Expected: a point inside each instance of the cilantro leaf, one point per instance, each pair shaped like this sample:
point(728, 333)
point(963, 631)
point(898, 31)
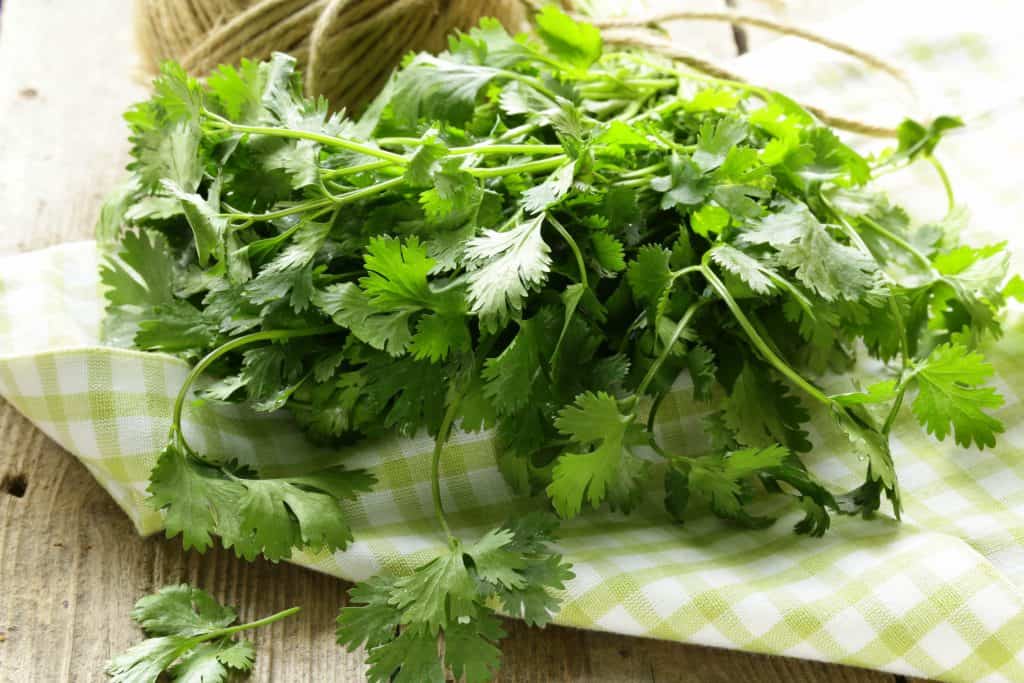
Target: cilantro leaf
point(438, 89)
point(832, 159)
point(397, 273)
point(207, 226)
point(880, 392)
point(827, 267)
point(449, 595)
point(759, 409)
point(576, 43)
point(181, 610)
point(510, 376)
point(547, 194)
point(505, 265)
point(137, 278)
point(951, 397)
point(350, 307)
point(608, 470)
point(709, 220)
point(253, 516)
point(649, 274)
point(716, 140)
point(916, 140)
point(685, 185)
point(438, 335)
point(753, 273)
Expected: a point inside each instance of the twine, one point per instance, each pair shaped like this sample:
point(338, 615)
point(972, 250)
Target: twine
point(734, 17)
point(347, 48)
point(672, 50)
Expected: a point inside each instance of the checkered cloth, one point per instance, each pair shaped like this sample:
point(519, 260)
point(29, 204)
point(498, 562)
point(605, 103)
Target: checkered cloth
point(938, 595)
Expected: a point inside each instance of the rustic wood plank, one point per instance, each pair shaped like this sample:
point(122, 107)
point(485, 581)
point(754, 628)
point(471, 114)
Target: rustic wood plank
point(70, 564)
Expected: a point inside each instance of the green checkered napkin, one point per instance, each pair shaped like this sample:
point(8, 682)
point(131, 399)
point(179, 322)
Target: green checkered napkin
point(938, 595)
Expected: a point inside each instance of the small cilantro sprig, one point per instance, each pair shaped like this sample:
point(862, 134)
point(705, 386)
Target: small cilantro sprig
point(400, 619)
point(538, 236)
point(190, 638)
point(252, 514)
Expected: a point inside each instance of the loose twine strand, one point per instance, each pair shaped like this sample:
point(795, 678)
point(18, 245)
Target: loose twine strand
point(348, 48)
point(668, 48)
point(734, 17)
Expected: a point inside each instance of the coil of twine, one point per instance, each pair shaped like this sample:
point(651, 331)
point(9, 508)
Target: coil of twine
point(347, 48)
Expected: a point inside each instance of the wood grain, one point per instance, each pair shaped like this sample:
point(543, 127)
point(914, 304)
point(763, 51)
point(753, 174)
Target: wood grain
point(70, 563)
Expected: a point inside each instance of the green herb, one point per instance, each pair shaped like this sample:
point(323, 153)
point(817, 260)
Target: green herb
point(539, 237)
point(189, 639)
point(398, 619)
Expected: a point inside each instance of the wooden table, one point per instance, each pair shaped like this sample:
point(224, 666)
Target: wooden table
point(71, 565)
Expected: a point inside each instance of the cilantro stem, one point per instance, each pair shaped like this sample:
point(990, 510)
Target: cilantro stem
point(399, 142)
point(368, 191)
point(645, 171)
point(512, 133)
point(633, 182)
point(894, 307)
point(326, 140)
point(847, 229)
point(614, 87)
point(685, 271)
point(630, 108)
point(327, 202)
point(890, 419)
point(655, 406)
point(358, 168)
point(231, 630)
point(570, 305)
point(435, 465)
point(557, 225)
point(531, 81)
point(681, 326)
point(227, 347)
point(529, 167)
point(698, 76)
point(887, 167)
point(941, 170)
point(280, 213)
point(760, 343)
point(506, 149)
point(879, 229)
point(483, 148)
point(899, 241)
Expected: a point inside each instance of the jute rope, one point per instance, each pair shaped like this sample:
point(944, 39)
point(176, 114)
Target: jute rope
point(734, 17)
point(673, 50)
point(347, 48)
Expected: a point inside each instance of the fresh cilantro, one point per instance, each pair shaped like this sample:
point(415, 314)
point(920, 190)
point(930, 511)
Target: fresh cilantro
point(951, 396)
point(539, 236)
point(831, 269)
point(190, 639)
point(916, 139)
point(505, 266)
point(579, 44)
point(253, 515)
point(606, 469)
point(400, 619)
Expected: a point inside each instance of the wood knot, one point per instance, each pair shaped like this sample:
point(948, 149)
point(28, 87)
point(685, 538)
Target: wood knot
point(14, 485)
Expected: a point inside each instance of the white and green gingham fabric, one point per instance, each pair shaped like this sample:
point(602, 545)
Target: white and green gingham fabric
point(939, 595)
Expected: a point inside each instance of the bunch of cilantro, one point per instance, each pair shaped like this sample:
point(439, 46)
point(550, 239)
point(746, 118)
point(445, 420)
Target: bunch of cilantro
point(534, 236)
